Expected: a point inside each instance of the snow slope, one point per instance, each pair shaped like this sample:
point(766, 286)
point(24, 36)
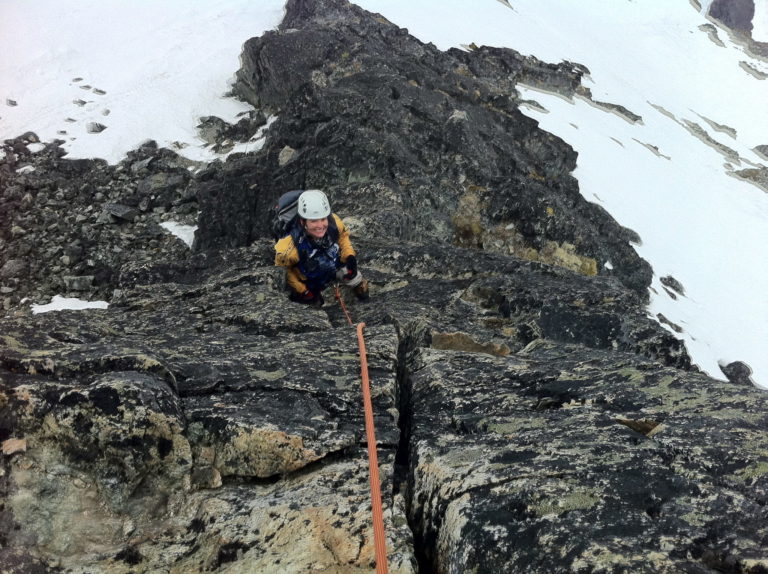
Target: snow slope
point(162, 65)
point(145, 69)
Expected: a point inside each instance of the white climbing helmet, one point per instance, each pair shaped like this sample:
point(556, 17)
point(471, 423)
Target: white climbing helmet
point(313, 204)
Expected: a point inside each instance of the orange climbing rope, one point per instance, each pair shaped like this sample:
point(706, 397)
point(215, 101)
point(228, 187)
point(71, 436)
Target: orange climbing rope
point(379, 540)
point(373, 463)
point(343, 306)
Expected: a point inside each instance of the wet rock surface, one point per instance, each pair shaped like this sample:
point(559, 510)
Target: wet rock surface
point(530, 416)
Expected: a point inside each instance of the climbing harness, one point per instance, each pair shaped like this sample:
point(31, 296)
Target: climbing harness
point(317, 260)
point(379, 539)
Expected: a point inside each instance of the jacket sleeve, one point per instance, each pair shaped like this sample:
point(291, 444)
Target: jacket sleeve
point(345, 245)
point(286, 255)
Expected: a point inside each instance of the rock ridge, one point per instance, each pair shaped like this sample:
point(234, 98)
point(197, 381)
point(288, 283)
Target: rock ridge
point(530, 415)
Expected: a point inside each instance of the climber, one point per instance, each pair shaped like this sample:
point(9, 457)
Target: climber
point(318, 251)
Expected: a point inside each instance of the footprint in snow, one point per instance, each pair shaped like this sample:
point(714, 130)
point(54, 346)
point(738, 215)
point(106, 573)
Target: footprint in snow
point(99, 92)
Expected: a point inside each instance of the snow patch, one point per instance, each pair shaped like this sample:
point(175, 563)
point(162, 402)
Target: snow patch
point(184, 232)
point(760, 21)
point(59, 303)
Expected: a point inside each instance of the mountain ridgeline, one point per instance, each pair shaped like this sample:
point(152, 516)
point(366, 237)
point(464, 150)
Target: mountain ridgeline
point(530, 415)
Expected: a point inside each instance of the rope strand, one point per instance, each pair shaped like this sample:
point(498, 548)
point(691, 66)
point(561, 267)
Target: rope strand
point(343, 306)
point(379, 539)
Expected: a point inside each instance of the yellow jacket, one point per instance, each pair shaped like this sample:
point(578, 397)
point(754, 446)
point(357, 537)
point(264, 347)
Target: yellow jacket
point(287, 255)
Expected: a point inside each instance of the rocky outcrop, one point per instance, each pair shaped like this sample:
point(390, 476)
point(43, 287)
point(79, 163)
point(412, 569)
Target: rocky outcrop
point(530, 416)
point(737, 17)
point(69, 225)
point(734, 14)
point(192, 425)
point(433, 141)
point(561, 460)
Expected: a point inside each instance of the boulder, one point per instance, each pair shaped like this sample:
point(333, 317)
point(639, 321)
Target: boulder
point(12, 268)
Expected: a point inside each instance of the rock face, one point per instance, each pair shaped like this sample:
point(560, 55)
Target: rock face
point(530, 416)
point(193, 425)
point(432, 140)
point(737, 17)
point(734, 14)
point(559, 459)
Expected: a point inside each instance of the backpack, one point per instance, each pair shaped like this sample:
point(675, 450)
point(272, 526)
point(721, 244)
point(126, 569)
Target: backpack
point(284, 214)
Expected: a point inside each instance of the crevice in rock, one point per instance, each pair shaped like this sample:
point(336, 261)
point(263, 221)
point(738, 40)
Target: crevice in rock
point(411, 336)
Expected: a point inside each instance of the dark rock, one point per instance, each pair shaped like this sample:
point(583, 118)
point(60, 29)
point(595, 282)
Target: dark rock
point(738, 16)
point(211, 128)
point(608, 465)
point(217, 132)
point(758, 176)
point(738, 373)
point(673, 284)
point(664, 321)
point(13, 268)
point(380, 114)
point(82, 283)
point(163, 189)
point(121, 211)
point(734, 14)
point(141, 411)
point(29, 137)
point(54, 207)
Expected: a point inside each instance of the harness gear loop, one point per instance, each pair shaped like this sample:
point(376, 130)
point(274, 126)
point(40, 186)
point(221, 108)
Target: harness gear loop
point(379, 539)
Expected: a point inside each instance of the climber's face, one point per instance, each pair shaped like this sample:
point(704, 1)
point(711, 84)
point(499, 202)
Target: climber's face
point(316, 228)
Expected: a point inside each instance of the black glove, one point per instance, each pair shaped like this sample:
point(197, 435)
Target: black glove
point(351, 265)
